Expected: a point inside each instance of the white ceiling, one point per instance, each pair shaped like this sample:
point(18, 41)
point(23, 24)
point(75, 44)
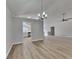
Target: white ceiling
point(54, 8)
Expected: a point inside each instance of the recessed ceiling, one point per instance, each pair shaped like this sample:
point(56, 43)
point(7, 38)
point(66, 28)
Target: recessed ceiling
point(54, 8)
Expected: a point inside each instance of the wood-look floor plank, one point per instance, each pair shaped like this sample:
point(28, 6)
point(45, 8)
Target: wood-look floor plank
point(50, 48)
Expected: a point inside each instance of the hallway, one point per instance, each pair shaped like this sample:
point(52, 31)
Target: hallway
point(50, 48)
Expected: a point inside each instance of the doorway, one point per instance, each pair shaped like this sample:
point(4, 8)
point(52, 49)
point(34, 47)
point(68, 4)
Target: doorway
point(26, 30)
point(52, 30)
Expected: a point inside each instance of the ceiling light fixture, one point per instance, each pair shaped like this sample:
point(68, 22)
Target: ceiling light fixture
point(43, 14)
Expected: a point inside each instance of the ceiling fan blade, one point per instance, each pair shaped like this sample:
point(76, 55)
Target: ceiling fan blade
point(66, 19)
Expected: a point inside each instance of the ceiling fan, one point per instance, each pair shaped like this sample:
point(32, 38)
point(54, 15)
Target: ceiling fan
point(65, 19)
point(40, 16)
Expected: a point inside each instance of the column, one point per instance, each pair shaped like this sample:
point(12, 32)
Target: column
point(37, 30)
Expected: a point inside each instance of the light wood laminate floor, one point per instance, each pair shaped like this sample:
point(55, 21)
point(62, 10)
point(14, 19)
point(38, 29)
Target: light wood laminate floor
point(50, 48)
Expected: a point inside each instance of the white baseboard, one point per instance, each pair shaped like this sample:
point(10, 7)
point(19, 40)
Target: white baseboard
point(37, 40)
point(9, 50)
point(11, 47)
point(17, 43)
point(69, 36)
point(61, 36)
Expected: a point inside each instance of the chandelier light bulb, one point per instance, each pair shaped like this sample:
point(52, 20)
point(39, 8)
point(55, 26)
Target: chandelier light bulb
point(43, 16)
point(44, 13)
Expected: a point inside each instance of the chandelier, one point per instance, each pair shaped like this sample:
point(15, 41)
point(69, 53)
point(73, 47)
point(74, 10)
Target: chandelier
point(43, 14)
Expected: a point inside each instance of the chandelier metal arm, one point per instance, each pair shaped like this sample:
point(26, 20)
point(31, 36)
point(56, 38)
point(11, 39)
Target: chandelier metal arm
point(43, 14)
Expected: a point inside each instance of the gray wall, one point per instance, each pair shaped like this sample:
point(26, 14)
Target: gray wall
point(63, 28)
point(9, 30)
point(37, 30)
point(18, 34)
point(13, 30)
